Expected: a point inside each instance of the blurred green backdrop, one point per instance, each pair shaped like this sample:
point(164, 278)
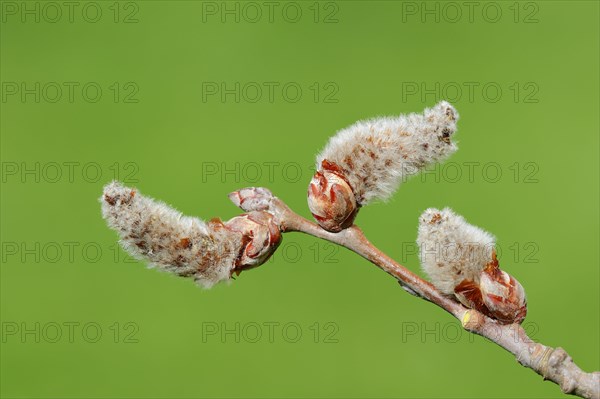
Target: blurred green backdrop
point(190, 100)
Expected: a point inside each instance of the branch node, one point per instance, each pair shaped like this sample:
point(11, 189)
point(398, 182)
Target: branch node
point(471, 320)
point(545, 362)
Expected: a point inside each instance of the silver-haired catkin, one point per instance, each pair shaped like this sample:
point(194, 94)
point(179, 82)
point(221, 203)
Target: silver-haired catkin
point(460, 260)
point(369, 159)
point(452, 250)
point(187, 246)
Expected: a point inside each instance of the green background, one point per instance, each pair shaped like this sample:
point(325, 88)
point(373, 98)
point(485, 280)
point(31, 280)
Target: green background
point(382, 342)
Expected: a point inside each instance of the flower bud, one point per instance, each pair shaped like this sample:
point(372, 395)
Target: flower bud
point(369, 159)
point(502, 294)
point(460, 260)
point(261, 237)
point(331, 200)
point(186, 246)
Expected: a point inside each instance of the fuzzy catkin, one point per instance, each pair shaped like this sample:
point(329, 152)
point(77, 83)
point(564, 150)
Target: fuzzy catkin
point(452, 250)
point(376, 155)
point(153, 231)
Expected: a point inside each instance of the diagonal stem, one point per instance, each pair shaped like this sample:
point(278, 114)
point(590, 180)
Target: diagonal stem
point(553, 364)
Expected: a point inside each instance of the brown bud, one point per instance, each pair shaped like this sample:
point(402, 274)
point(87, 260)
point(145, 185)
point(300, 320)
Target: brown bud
point(502, 294)
point(331, 199)
point(497, 295)
point(260, 238)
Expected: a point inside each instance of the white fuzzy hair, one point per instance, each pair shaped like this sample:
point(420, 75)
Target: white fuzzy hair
point(452, 250)
point(151, 230)
point(377, 154)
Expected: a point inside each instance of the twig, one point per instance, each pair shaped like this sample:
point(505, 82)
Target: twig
point(553, 364)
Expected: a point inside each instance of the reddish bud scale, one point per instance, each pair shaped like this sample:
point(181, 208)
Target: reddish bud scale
point(331, 199)
point(260, 238)
point(502, 294)
point(498, 295)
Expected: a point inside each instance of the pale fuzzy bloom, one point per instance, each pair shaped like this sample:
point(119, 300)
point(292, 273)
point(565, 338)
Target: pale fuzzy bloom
point(460, 260)
point(187, 246)
point(374, 156)
point(452, 250)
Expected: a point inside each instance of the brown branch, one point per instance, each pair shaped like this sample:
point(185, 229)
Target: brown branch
point(553, 364)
